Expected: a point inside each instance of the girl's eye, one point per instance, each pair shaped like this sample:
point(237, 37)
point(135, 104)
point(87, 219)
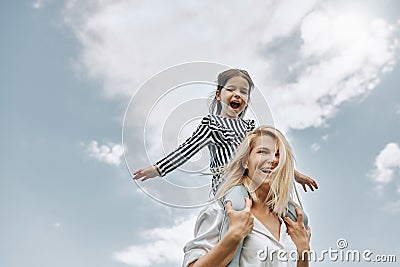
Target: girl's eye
point(244, 92)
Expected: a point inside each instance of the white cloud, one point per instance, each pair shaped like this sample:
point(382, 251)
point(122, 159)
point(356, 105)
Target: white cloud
point(285, 19)
point(38, 4)
point(110, 153)
point(387, 166)
point(315, 147)
point(126, 42)
point(341, 56)
point(162, 245)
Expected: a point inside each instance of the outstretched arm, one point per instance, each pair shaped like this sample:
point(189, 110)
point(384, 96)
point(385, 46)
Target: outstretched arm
point(305, 180)
point(146, 173)
point(199, 139)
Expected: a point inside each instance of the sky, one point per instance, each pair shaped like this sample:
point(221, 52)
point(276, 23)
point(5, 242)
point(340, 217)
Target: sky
point(74, 72)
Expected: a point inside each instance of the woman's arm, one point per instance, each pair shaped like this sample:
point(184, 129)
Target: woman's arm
point(300, 237)
point(222, 253)
point(240, 225)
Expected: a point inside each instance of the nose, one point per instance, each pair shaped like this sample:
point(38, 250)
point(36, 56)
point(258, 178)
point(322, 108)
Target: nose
point(275, 161)
point(237, 95)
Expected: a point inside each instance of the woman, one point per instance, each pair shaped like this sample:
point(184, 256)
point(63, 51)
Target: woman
point(264, 165)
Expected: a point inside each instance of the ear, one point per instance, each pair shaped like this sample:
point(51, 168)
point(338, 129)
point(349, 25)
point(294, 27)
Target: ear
point(245, 163)
point(218, 95)
point(246, 169)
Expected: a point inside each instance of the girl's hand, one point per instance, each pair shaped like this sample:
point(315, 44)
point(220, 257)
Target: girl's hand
point(300, 235)
point(305, 180)
point(240, 222)
point(146, 173)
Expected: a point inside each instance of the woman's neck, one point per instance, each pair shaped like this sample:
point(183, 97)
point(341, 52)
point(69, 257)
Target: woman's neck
point(262, 199)
point(262, 193)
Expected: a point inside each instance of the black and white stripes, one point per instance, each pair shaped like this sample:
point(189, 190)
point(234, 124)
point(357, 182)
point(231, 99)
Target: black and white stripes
point(221, 135)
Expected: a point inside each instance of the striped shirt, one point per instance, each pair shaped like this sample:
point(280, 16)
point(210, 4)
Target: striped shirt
point(221, 135)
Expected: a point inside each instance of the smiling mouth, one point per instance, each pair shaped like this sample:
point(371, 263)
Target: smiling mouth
point(266, 171)
point(234, 105)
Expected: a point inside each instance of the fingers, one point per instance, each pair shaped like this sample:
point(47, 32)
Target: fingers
point(249, 203)
point(315, 184)
point(288, 221)
point(304, 187)
point(299, 215)
point(228, 207)
point(137, 171)
point(138, 174)
point(311, 187)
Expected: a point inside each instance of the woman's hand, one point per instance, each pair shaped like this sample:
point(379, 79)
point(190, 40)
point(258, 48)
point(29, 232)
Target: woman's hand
point(305, 180)
point(240, 222)
point(146, 173)
point(300, 235)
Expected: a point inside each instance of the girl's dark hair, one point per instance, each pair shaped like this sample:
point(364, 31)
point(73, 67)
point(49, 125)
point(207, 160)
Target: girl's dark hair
point(215, 105)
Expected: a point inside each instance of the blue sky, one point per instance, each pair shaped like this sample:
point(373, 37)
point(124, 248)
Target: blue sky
point(69, 69)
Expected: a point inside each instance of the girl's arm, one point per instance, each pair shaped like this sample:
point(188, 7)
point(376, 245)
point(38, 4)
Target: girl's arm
point(300, 237)
point(146, 173)
point(199, 139)
point(240, 225)
point(305, 180)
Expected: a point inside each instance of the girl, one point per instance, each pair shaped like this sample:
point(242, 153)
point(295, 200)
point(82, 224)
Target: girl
point(263, 165)
point(222, 131)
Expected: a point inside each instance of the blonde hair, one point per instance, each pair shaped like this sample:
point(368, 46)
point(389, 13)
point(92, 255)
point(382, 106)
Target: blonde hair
point(282, 177)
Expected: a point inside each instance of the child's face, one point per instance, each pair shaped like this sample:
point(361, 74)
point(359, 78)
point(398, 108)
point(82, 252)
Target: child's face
point(233, 97)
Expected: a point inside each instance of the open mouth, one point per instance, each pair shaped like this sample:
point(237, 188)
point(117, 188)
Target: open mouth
point(234, 105)
point(267, 171)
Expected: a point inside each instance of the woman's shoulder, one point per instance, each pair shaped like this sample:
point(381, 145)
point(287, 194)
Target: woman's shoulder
point(210, 216)
point(214, 209)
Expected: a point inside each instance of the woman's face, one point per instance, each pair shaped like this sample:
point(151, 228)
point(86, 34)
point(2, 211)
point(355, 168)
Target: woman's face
point(263, 158)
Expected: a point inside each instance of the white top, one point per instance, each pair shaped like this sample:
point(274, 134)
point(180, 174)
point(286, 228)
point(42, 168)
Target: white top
point(257, 247)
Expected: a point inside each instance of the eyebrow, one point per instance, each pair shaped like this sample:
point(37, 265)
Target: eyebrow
point(239, 88)
point(264, 148)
